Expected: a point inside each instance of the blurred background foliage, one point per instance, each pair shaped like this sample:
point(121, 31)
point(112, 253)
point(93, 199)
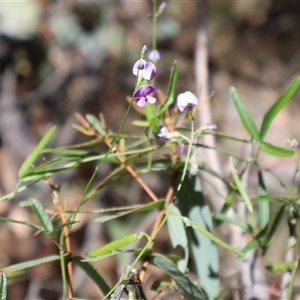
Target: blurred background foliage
point(62, 57)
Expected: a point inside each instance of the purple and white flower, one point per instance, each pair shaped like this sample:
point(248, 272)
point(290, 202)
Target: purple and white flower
point(187, 101)
point(144, 70)
point(154, 55)
point(143, 95)
point(164, 133)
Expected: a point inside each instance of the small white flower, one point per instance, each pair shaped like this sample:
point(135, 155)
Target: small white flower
point(186, 100)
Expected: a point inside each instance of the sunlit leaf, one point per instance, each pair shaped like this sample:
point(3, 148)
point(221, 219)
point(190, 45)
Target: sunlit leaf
point(244, 115)
point(35, 153)
point(277, 106)
point(113, 246)
point(282, 266)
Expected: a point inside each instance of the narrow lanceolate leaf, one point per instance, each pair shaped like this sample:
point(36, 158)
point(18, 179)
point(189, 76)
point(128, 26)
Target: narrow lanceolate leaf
point(263, 206)
point(92, 274)
point(171, 90)
point(3, 287)
point(31, 263)
point(277, 106)
point(244, 115)
point(276, 151)
point(113, 246)
point(273, 230)
point(109, 216)
point(201, 244)
point(239, 186)
point(35, 153)
point(255, 242)
point(39, 211)
point(212, 237)
point(282, 266)
point(186, 284)
point(178, 236)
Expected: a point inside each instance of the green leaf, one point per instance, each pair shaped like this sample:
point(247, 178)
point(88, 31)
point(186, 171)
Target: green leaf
point(113, 246)
point(39, 211)
point(202, 244)
point(61, 226)
point(282, 266)
point(35, 153)
point(178, 235)
point(276, 151)
point(277, 106)
point(21, 222)
point(151, 115)
point(244, 115)
point(92, 273)
point(185, 283)
point(171, 90)
point(239, 186)
point(212, 237)
point(263, 206)
point(147, 207)
point(3, 286)
point(96, 123)
point(31, 263)
point(255, 242)
point(273, 230)
point(236, 221)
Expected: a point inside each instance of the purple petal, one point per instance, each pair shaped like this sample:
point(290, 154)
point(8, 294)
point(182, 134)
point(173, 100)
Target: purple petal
point(150, 71)
point(141, 102)
point(144, 90)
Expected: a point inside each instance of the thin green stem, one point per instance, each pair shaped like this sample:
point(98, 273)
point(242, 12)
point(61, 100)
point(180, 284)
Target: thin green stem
point(63, 265)
point(154, 24)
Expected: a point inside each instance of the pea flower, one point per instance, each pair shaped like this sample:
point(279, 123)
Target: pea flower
point(164, 133)
point(186, 100)
point(181, 148)
point(154, 55)
point(142, 95)
point(143, 69)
